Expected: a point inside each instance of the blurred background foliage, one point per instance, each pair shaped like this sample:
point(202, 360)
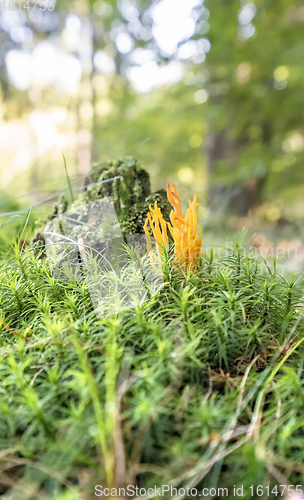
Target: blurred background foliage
point(208, 94)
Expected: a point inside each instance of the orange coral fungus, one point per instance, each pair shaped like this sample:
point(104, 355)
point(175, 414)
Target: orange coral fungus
point(174, 199)
point(187, 244)
point(159, 229)
point(183, 229)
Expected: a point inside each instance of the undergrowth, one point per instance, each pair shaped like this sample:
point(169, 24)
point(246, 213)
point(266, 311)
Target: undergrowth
point(199, 386)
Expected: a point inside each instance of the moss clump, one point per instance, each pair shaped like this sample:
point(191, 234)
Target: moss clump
point(127, 183)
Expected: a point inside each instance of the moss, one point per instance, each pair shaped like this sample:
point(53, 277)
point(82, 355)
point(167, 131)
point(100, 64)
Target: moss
point(124, 180)
point(127, 183)
point(185, 351)
point(138, 213)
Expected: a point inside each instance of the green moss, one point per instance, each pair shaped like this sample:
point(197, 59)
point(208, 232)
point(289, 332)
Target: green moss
point(167, 374)
point(124, 180)
point(135, 221)
point(127, 183)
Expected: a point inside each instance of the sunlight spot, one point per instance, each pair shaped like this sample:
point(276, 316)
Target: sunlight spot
point(103, 9)
point(273, 214)
point(103, 62)
point(140, 56)
point(294, 143)
point(174, 22)
point(246, 31)
point(103, 107)
point(124, 43)
point(281, 73)
point(247, 13)
point(185, 175)
point(151, 75)
point(187, 50)
point(243, 72)
point(21, 34)
point(195, 141)
point(18, 68)
point(73, 23)
point(201, 96)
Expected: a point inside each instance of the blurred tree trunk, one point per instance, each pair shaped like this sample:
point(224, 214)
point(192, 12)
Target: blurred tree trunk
point(239, 196)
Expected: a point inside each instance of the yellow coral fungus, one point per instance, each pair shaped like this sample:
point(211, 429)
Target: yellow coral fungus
point(187, 244)
point(174, 199)
point(159, 229)
point(183, 229)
